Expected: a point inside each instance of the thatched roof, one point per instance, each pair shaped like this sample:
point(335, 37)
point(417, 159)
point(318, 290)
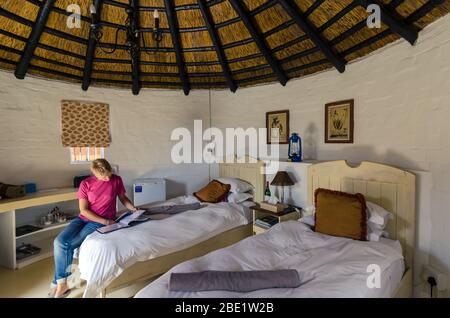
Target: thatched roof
point(206, 43)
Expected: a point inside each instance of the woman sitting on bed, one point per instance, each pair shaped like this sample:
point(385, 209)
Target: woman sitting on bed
point(97, 200)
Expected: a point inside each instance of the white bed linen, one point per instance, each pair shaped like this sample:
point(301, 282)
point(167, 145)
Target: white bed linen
point(328, 266)
point(102, 258)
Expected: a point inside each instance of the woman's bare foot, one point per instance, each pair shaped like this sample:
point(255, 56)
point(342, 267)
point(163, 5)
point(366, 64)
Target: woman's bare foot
point(52, 292)
point(61, 289)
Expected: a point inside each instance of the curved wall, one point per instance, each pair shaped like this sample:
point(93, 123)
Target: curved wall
point(402, 111)
point(30, 128)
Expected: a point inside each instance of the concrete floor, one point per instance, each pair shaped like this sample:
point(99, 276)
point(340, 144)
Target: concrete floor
point(33, 281)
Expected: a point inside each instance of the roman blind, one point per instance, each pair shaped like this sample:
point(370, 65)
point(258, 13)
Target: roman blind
point(85, 124)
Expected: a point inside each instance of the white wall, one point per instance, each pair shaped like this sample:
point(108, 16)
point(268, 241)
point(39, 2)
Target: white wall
point(402, 111)
point(402, 100)
point(30, 143)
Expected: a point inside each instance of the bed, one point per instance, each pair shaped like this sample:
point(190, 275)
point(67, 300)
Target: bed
point(144, 252)
point(328, 266)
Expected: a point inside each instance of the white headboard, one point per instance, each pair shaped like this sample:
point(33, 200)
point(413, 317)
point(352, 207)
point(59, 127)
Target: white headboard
point(250, 170)
point(389, 187)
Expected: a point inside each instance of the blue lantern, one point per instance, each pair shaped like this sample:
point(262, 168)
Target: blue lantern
point(295, 148)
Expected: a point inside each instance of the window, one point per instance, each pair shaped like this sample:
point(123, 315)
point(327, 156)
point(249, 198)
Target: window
point(86, 154)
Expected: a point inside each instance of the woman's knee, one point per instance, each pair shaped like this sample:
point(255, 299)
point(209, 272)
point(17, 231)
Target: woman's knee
point(60, 243)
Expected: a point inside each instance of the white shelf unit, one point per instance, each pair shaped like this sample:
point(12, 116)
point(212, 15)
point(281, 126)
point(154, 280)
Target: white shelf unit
point(44, 229)
point(46, 246)
point(9, 212)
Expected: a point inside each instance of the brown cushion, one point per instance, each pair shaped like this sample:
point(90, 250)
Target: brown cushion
point(214, 192)
point(341, 214)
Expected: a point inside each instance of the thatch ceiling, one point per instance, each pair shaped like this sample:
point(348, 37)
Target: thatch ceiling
point(205, 44)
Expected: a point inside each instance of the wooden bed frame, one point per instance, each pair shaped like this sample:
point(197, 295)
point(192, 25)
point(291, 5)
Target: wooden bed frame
point(389, 187)
point(247, 169)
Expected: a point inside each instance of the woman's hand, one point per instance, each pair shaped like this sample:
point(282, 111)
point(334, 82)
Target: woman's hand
point(127, 203)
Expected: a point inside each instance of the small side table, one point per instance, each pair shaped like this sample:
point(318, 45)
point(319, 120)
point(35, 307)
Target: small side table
point(259, 213)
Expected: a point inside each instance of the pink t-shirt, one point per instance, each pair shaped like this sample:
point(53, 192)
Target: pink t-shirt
point(101, 195)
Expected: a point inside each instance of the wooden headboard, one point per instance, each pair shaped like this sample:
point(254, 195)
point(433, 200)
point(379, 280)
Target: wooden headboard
point(251, 171)
point(389, 187)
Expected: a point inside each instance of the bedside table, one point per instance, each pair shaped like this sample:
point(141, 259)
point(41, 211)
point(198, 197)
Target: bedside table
point(259, 213)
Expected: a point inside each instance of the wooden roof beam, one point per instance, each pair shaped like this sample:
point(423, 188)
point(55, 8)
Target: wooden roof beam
point(423, 10)
point(217, 45)
point(173, 24)
point(33, 40)
point(90, 51)
point(311, 32)
point(396, 24)
point(259, 41)
point(134, 39)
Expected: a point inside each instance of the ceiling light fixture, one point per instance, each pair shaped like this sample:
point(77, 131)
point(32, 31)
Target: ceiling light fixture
point(135, 42)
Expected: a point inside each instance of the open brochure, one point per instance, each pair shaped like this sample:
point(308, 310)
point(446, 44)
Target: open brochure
point(125, 220)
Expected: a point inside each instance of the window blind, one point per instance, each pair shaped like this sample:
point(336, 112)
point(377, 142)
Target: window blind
point(85, 124)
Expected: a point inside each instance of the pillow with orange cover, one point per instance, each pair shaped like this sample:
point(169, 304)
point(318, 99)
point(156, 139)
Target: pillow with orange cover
point(214, 192)
point(341, 214)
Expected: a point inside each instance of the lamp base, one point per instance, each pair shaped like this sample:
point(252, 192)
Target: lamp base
point(295, 159)
point(281, 192)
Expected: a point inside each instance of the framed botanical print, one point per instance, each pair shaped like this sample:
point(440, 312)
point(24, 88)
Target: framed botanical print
point(339, 122)
point(277, 124)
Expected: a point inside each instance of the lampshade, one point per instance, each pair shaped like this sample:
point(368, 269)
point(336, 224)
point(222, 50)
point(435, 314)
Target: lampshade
point(282, 179)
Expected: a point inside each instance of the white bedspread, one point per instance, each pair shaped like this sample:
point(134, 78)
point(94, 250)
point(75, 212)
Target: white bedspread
point(328, 266)
point(102, 258)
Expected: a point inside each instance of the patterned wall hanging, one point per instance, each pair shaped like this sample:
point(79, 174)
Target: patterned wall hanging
point(85, 124)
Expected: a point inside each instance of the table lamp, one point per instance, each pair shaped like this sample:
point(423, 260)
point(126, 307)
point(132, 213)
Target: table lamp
point(282, 179)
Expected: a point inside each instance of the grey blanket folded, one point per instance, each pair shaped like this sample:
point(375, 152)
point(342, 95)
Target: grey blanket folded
point(242, 282)
point(173, 209)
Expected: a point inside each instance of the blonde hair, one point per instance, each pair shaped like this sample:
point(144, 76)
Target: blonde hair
point(101, 167)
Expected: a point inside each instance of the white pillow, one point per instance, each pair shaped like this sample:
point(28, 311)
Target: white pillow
point(374, 226)
point(373, 237)
point(309, 220)
point(237, 186)
point(378, 215)
point(374, 233)
point(248, 204)
point(239, 197)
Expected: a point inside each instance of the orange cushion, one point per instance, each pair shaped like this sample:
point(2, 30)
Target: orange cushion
point(341, 214)
point(214, 192)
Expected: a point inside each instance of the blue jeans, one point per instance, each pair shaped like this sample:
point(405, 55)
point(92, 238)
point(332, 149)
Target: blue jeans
point(65, 244)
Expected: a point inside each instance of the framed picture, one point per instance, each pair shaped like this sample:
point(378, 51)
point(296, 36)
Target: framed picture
point(277, 124)
point(339, 122)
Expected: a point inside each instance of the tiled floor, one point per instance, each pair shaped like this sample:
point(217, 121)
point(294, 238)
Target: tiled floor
point(33, 281)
